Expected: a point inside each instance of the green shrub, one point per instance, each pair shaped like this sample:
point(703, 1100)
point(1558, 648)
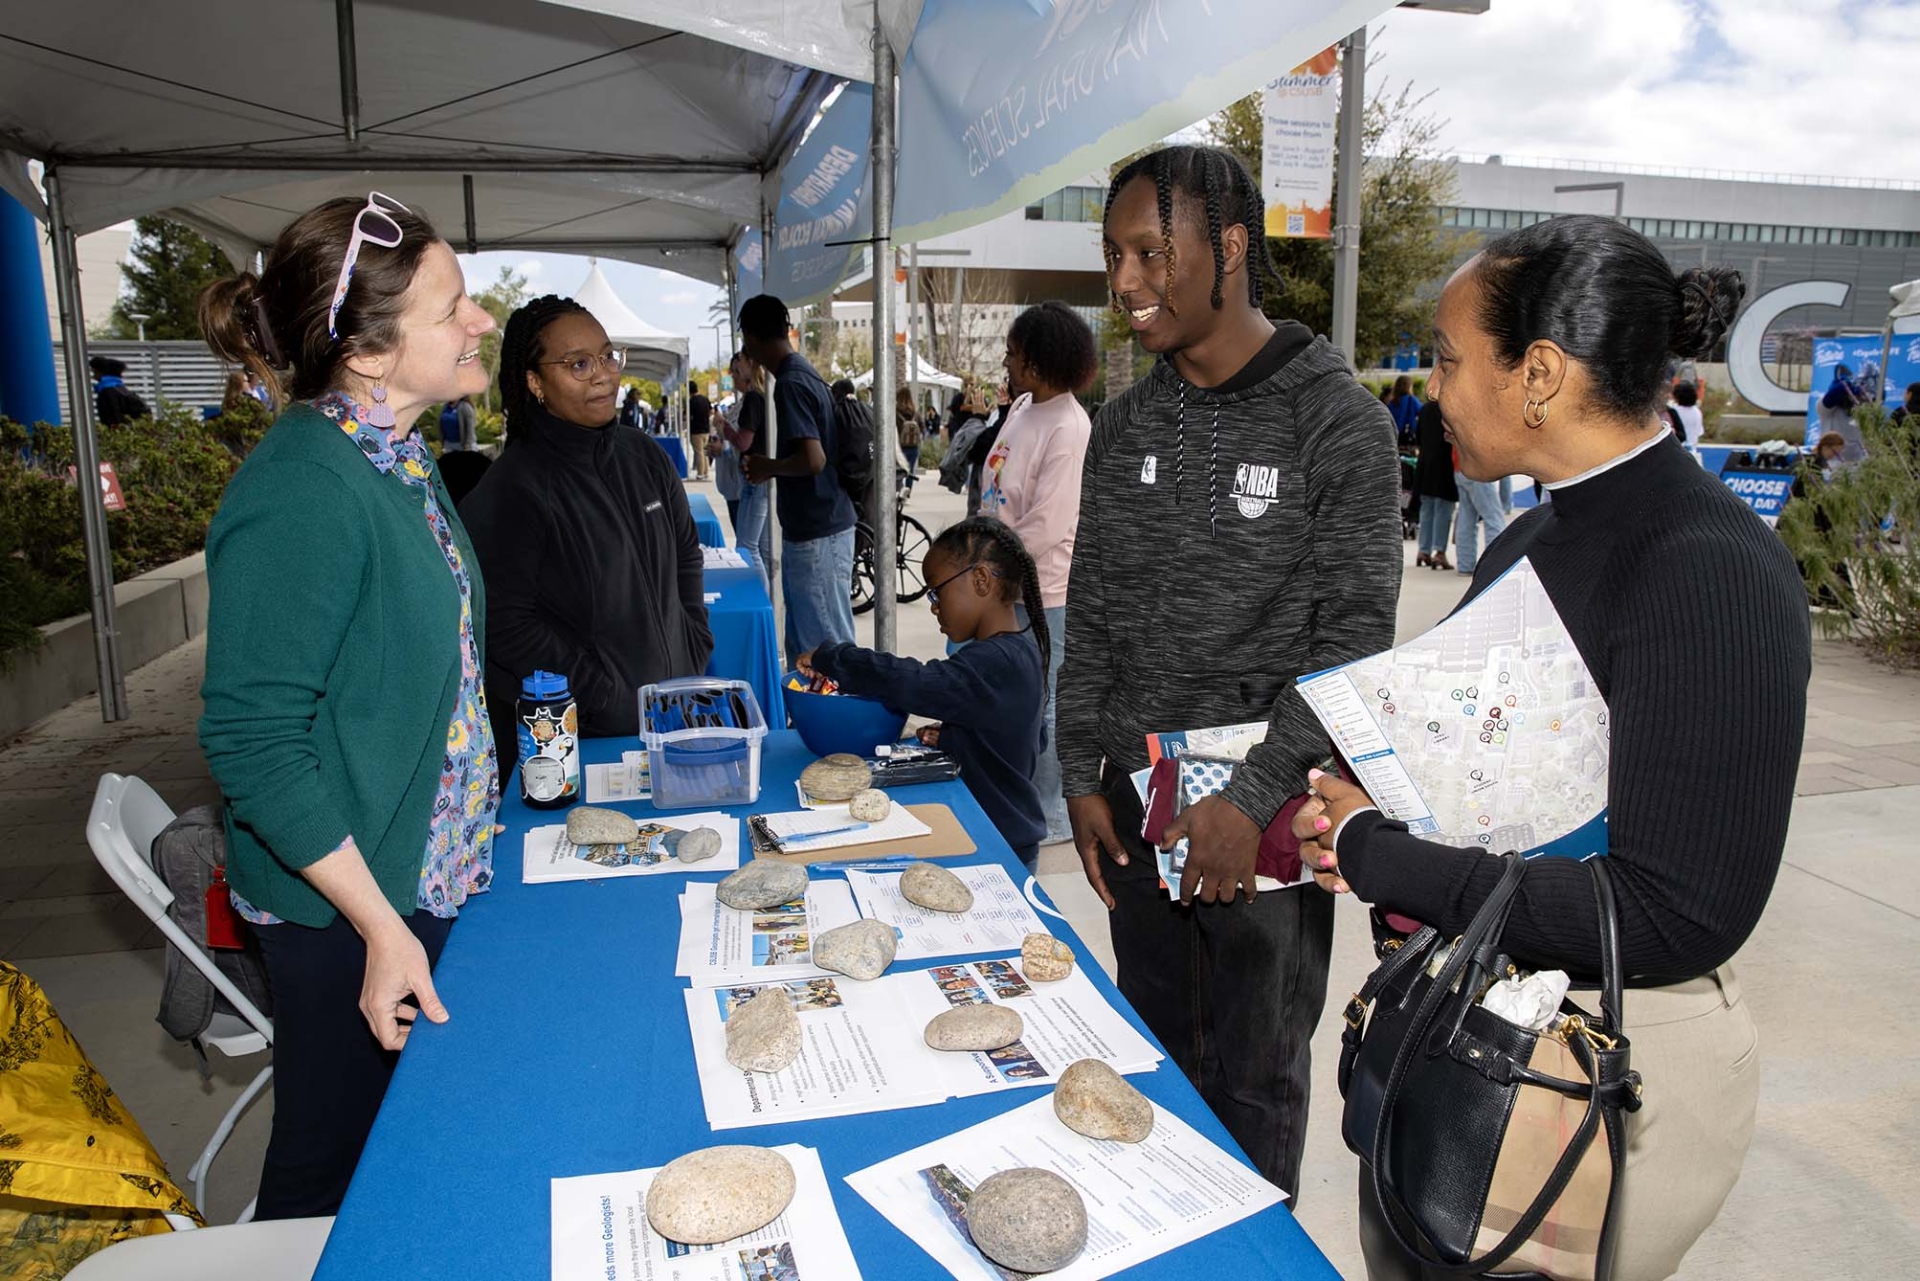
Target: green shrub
point(933, 450)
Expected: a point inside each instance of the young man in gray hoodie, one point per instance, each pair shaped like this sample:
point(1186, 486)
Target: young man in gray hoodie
point(1239, 527)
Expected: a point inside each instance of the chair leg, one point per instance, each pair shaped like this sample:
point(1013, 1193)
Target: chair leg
point(246, 1215)
point(198, 1174)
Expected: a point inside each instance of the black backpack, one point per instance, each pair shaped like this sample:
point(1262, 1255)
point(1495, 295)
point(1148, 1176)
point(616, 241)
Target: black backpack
point(853, 446)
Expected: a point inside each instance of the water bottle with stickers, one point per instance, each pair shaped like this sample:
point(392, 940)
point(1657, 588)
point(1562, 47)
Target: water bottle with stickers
point(547, 724)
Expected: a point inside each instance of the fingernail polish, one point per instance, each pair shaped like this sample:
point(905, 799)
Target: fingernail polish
point(1321, 824)
point(1313, 776)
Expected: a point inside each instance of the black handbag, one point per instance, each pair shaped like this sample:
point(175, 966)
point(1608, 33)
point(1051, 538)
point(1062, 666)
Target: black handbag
point(1479, 1136)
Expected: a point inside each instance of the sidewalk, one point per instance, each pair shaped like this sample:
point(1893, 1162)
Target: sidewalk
point(1827, 1190)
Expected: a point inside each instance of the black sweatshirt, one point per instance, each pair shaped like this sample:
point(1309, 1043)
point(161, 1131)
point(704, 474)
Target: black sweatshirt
point(593, 570)
point(1692, 618)
point(1229, 542)
point(988, 699)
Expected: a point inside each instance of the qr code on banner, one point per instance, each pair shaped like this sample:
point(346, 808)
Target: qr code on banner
point(1296, 224)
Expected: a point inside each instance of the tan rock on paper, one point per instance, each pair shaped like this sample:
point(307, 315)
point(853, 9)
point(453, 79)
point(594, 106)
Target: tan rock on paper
point(1045, 959)
point(839, 777)
point(719, 1193)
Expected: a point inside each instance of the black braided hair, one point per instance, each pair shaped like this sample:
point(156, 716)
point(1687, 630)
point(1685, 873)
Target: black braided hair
point(993, 543)
point(520, 351)
point(1227, 194)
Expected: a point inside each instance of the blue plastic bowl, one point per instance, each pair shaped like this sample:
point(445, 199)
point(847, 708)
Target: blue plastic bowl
point(829, 723)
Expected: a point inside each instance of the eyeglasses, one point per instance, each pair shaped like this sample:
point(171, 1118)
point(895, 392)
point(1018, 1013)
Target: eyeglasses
point(582, 367)
point(372, 225)
point(933, 592)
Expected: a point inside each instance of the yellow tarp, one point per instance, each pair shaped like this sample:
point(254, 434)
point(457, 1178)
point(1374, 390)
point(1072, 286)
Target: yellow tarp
point(76, 1172)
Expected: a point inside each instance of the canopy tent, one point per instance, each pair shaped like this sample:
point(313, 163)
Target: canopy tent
point(918, 371)
point(651, 353)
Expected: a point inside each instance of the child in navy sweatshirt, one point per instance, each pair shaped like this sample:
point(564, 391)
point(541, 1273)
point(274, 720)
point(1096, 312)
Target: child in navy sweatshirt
point(990, 695)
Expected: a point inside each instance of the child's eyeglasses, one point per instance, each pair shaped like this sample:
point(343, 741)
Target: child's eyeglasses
point(933, 592)
point(582, 367)
point(372, 225)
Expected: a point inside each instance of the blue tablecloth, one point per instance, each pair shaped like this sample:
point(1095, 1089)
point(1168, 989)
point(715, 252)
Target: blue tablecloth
point(706, 521)
point(746, 647)
point(676, 450)
point(568, 1053)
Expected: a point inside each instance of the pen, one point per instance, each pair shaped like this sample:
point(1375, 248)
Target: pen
point(832, 831)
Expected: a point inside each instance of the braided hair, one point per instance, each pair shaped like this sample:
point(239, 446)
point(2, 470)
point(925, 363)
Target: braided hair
point(520, 351)
point(1228, 195)
point(993, 543)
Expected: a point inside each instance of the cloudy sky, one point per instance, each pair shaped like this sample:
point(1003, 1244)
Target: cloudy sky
point(1794, 86)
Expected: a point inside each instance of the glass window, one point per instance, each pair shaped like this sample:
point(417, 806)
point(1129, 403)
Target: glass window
point(1825, 235)
point(1050, 207)
point(1480, 218)
point(1693, 231)
point(1093, 204)
point(1849, 237)
point(1766, 234)
point(1034, 213)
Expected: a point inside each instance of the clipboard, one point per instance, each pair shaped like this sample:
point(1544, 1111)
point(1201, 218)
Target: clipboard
point(948, 839)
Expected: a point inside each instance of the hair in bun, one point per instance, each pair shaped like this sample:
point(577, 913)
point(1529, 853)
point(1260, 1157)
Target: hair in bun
point(1709, 299)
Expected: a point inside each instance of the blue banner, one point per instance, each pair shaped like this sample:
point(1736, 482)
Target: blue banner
point(825, 202)
point(1005, 101)
point(1861, 355)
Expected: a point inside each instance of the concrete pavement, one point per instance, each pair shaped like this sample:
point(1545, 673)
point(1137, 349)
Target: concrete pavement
point(1828, 1188)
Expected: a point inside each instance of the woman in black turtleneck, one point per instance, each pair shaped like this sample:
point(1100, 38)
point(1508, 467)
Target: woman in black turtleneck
point(592, 565)
point(1553, 345)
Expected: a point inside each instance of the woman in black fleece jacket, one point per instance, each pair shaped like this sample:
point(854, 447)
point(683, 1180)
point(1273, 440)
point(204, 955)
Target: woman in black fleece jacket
point(1552, 347)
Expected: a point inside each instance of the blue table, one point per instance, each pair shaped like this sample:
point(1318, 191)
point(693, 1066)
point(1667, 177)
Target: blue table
point(676, 450)
point(746, 646)
point(568, 1053)
point(706, 522)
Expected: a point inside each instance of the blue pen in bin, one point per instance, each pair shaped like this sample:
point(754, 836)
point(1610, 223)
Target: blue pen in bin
point(703, 737)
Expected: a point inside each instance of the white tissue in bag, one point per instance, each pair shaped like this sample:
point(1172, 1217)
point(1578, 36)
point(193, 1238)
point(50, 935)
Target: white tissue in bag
point(1532, 1002)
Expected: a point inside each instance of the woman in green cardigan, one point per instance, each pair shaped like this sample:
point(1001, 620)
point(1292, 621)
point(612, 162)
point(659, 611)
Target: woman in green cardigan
point(345, 717)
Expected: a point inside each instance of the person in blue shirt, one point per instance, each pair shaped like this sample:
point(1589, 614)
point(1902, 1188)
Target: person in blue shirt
point(1405, 407)
point(990, 695)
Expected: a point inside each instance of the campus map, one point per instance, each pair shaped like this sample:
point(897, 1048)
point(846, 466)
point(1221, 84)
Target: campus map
point(1487, 730)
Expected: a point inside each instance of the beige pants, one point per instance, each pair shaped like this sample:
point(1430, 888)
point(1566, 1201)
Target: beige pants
point(1696, 1049)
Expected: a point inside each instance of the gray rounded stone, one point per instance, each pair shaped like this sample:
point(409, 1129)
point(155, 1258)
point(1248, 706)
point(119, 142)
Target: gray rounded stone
point(933, 887)
point(1045, 959)
point(871, 806)
point(763, 1034)
point(839, 777)
point(974, 1027)
point(1093, 1099)
point(860, 950)
point(699, 845)
point(719, 1193)
point(587, 825)
point(1029, 1220)
point(763, 882)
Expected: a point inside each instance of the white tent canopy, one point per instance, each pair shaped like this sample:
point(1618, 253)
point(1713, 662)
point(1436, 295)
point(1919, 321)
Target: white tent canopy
point(651, 353)
point(918, 371)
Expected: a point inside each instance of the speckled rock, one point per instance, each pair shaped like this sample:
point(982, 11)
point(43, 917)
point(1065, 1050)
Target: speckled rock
point(974, 1027)
point(1027, 1219)
point(763, 1034)
point(763, 882)
point(1045, 959)
point(933, 887)
point(871, 806)
point(719, 1193)
point(861, 950)
point(1093, 1099)
point(839, 777)
point(587, 825)
point(699, 845)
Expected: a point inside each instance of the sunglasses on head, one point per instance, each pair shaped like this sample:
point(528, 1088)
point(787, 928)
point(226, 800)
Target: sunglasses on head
point(374, 225)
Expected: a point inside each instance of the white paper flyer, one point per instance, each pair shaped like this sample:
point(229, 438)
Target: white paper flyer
point(998, 920)
point(601, 1233)
point(721, 946)
point(1143, 1199)
point(550, 856)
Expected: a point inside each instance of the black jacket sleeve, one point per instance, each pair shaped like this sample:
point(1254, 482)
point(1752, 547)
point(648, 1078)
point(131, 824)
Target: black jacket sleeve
point(956, 689)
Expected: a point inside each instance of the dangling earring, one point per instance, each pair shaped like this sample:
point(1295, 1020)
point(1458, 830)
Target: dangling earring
point(1527, 414)
point(380, 414)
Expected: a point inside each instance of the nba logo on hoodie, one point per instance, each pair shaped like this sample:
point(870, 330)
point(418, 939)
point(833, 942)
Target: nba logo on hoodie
point(1255, 487)
point(1149, 470)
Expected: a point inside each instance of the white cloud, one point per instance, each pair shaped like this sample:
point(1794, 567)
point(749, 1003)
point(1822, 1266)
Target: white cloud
point(531, 268)
point(678, 296)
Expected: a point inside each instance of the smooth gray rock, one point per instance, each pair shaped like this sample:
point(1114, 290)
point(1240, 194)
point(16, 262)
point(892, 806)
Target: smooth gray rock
point(1027, 1219)
point(699, 845)
point(719, 1193)
point(763, 1035)
point(933, 887)
point(860, 950)
point(871, 806)
point(763, 883)
point(587, 825)
point(1045, 959)
point(1093, 1099)
point(974, 1027)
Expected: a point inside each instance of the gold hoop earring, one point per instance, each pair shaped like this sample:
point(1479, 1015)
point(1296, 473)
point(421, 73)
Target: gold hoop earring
point(1534, 407)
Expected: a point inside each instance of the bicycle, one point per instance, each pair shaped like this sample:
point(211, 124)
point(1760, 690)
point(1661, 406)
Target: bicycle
point(911, 542)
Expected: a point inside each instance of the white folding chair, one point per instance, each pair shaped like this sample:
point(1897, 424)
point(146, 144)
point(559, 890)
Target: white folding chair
point(279, 1250)
point(126, 816)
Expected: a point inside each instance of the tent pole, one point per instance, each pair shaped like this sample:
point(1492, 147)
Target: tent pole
point(349, 70)
point(733, 307)
point(885, 613)
point(913, 322)
point(1346, 218)
point(466, 193)
point(86, 452)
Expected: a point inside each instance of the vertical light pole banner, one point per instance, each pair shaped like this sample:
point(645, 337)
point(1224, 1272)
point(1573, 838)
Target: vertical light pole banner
point(1298, 114)
point(900, 312)
point(824, 204)
point(1005, 101)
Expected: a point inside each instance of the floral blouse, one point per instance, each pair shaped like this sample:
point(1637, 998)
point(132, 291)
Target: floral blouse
point(458, 860)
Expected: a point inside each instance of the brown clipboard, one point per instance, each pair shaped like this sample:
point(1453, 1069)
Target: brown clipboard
point(948, 839)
